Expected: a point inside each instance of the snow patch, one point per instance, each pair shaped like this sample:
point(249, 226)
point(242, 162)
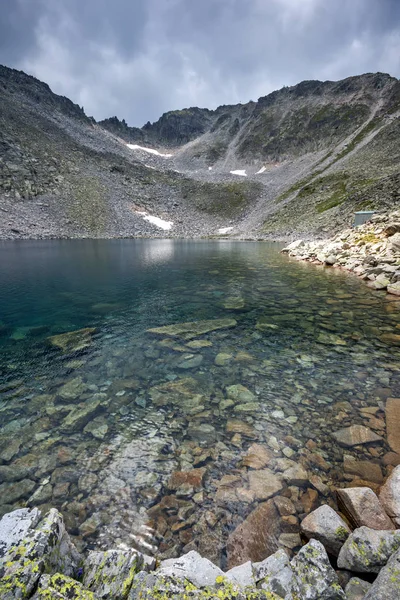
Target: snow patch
point(166, 225)
point(241, 172)
point(149, 150)
point(225, 230)
point(261, 170)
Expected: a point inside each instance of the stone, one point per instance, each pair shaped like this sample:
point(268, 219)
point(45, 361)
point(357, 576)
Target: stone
point(191, 362)
point(182, 392)
point(393, 423)
point(326, 526)
point(394, 288)
point(285, 506)
point(237, 426)
point(330, 339)
point(197, 344)
point(98, 428)
point(362, 507)
point(11, 492)
point(390, 496)
point(309, 500)
point(15, 525)
point(289, 540)
point(73, 389)
point(356, 589)
point(47, 548)
point(241, 575)
point(194, 478)
point(296, 475)
point(368, 550)
point(391, 229)
point(364, 469)
point(73, 341)
point(240, 393)
point(61, 587)
point(234, 303)
point(387, 585)
point(201, 572)
point(314, 578)
point(355, 435)
point(190, 330)
point(275, 575)
point(264, 483)
point(110, 574)
point(256, 538)
point(222, 359)
point(82, 414)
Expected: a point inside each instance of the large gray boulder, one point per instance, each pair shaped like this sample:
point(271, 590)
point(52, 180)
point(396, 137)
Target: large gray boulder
point(109, 575)
point(325, 525)
point(362, 507)
point(61, 587)
point(390, 495)
point(45, 549)
point(387, 585)
point(356, 589)
point(242, 575)
point(200, 571)
point(367, 550)
point(275, 575)
point(314, 578)
point(15, 525)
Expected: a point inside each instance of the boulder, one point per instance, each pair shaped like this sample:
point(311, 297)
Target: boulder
point(387, 585)
point(355, 435)
point(293, 246)
point(240, 393)
point(241, 575)
point(325, 525)
point(257, 457)
point(256, 538)
point(362, 507)
point(393, 423)
point(368, 550)
point(201, 572)
point(15, 526)
point(47, 548)
point(356, 589)
point(79, 416)
point(188, 331)
point(364, 469)
point(110, 574)
point(394, 288)
point(391, 229)
point(72, 341)
point(61, 587)
point(394, 242)
point(314, 578)
point(390, 495)
point(274, 574)
point(264, 483)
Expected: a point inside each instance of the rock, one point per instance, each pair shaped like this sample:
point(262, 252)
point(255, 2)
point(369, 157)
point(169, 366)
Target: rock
point(364, 469)
point(362, 507)
point(355, 435)
point(182, 392)
point(290, 540)
point(393, 423)
point(110, 574)
point(222, 359)
point(395, 242)
point(11, 492)
point(314, 578)
point(356, 589)
point(296, 475)
point(256, 538)
point(391, 229)
point(234, 303)
point(237, 426)
point(325, 525)
point(293, 246)
point(330, 339)
point(73, 341)
point(257, 457)
point(74, 388)
point(194, 478)
point(197, 344)
point(309, 500)
point(202, 432)
point(47, 548)
point(275, 575)
point(61, 587)
point(285, 506)
point(191, 566)
point(191, 363)
point(188, 331)
point(390, 495)
point(387, 585)
point(368, 550)
point(98, 428)
point(264, 484)
point(81, 414)
point(241, 575)
point(15, 525)
point(239, 393)
point(394, 288)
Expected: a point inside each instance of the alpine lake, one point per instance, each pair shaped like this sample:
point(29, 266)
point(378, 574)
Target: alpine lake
point(156, 391)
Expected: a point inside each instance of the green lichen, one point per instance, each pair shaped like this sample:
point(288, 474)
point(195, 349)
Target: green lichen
point(65, 586)
point(342, 533)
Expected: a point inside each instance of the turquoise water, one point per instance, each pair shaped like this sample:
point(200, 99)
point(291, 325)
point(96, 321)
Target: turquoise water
point(308, 344)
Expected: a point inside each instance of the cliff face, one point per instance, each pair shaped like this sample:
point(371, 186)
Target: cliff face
point(312, 154)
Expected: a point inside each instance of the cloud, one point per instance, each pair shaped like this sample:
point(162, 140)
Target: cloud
point(140, 58)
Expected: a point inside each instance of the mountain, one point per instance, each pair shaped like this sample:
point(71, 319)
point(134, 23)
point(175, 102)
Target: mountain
point(312, 153)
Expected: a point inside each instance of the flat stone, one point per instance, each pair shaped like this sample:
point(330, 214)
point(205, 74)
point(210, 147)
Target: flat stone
point(264, 483)
point(73, 389)
point(11, 492)
point(197, 344)
point(110, 574)
point(201, 572)
point(190, 330)
point(325, 525)
point(182, 392)
point(394, 288)
point(256, 538)
point(191, 363)
point(248, 407)
point(234, 303)
point(296, 475)
point(241, 575)
point(82, 414)
point(368, 550)
point(387, 585)
point(314, 578)
point(393, 423)
point(194, 478)
point(289, 540)
point(73, 341)
point(362, 468)
point(355, 435)
point(362, 507)
point(240, 393)
point(14, 526)
point(237, 426)
point(390, 496)
point(257, 457)
point(356, 589)
point(222, 359)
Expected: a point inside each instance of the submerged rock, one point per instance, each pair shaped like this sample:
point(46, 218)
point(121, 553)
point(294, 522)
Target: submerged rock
point(264, 484)
point(355, 435)
point(73, 341)
point(193, 329)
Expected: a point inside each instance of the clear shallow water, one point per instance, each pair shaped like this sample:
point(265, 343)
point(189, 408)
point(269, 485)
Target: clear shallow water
point(307, 345)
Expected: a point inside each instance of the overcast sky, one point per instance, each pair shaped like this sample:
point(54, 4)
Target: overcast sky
point(139, 58)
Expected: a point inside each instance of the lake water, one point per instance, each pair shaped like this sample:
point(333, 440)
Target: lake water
point(299, 353)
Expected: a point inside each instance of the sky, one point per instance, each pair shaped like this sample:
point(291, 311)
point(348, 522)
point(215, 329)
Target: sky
point(140, 58)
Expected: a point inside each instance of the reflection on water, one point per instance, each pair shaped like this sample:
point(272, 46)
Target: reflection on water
point(105, 432)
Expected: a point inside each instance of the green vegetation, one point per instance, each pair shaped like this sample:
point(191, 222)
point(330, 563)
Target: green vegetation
point(225, 199)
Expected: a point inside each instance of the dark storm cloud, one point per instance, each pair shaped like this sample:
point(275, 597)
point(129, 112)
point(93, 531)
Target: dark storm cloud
point(139, 58)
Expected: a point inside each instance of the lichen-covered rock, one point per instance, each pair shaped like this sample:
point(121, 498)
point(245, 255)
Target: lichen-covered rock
point(241, 575)
point(200, 571)
point(15, 525)
point(47, 548)
point(368, 550)
point(356, 589)
point(362, 507)
point(314, 578)
point(275, 575)
point(387, 585)
point(390, 495)
point(61, 587)
point(109, 575)
point(325, 525)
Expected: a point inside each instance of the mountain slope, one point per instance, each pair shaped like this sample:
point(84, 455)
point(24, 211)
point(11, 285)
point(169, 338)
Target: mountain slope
point(312, 154)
